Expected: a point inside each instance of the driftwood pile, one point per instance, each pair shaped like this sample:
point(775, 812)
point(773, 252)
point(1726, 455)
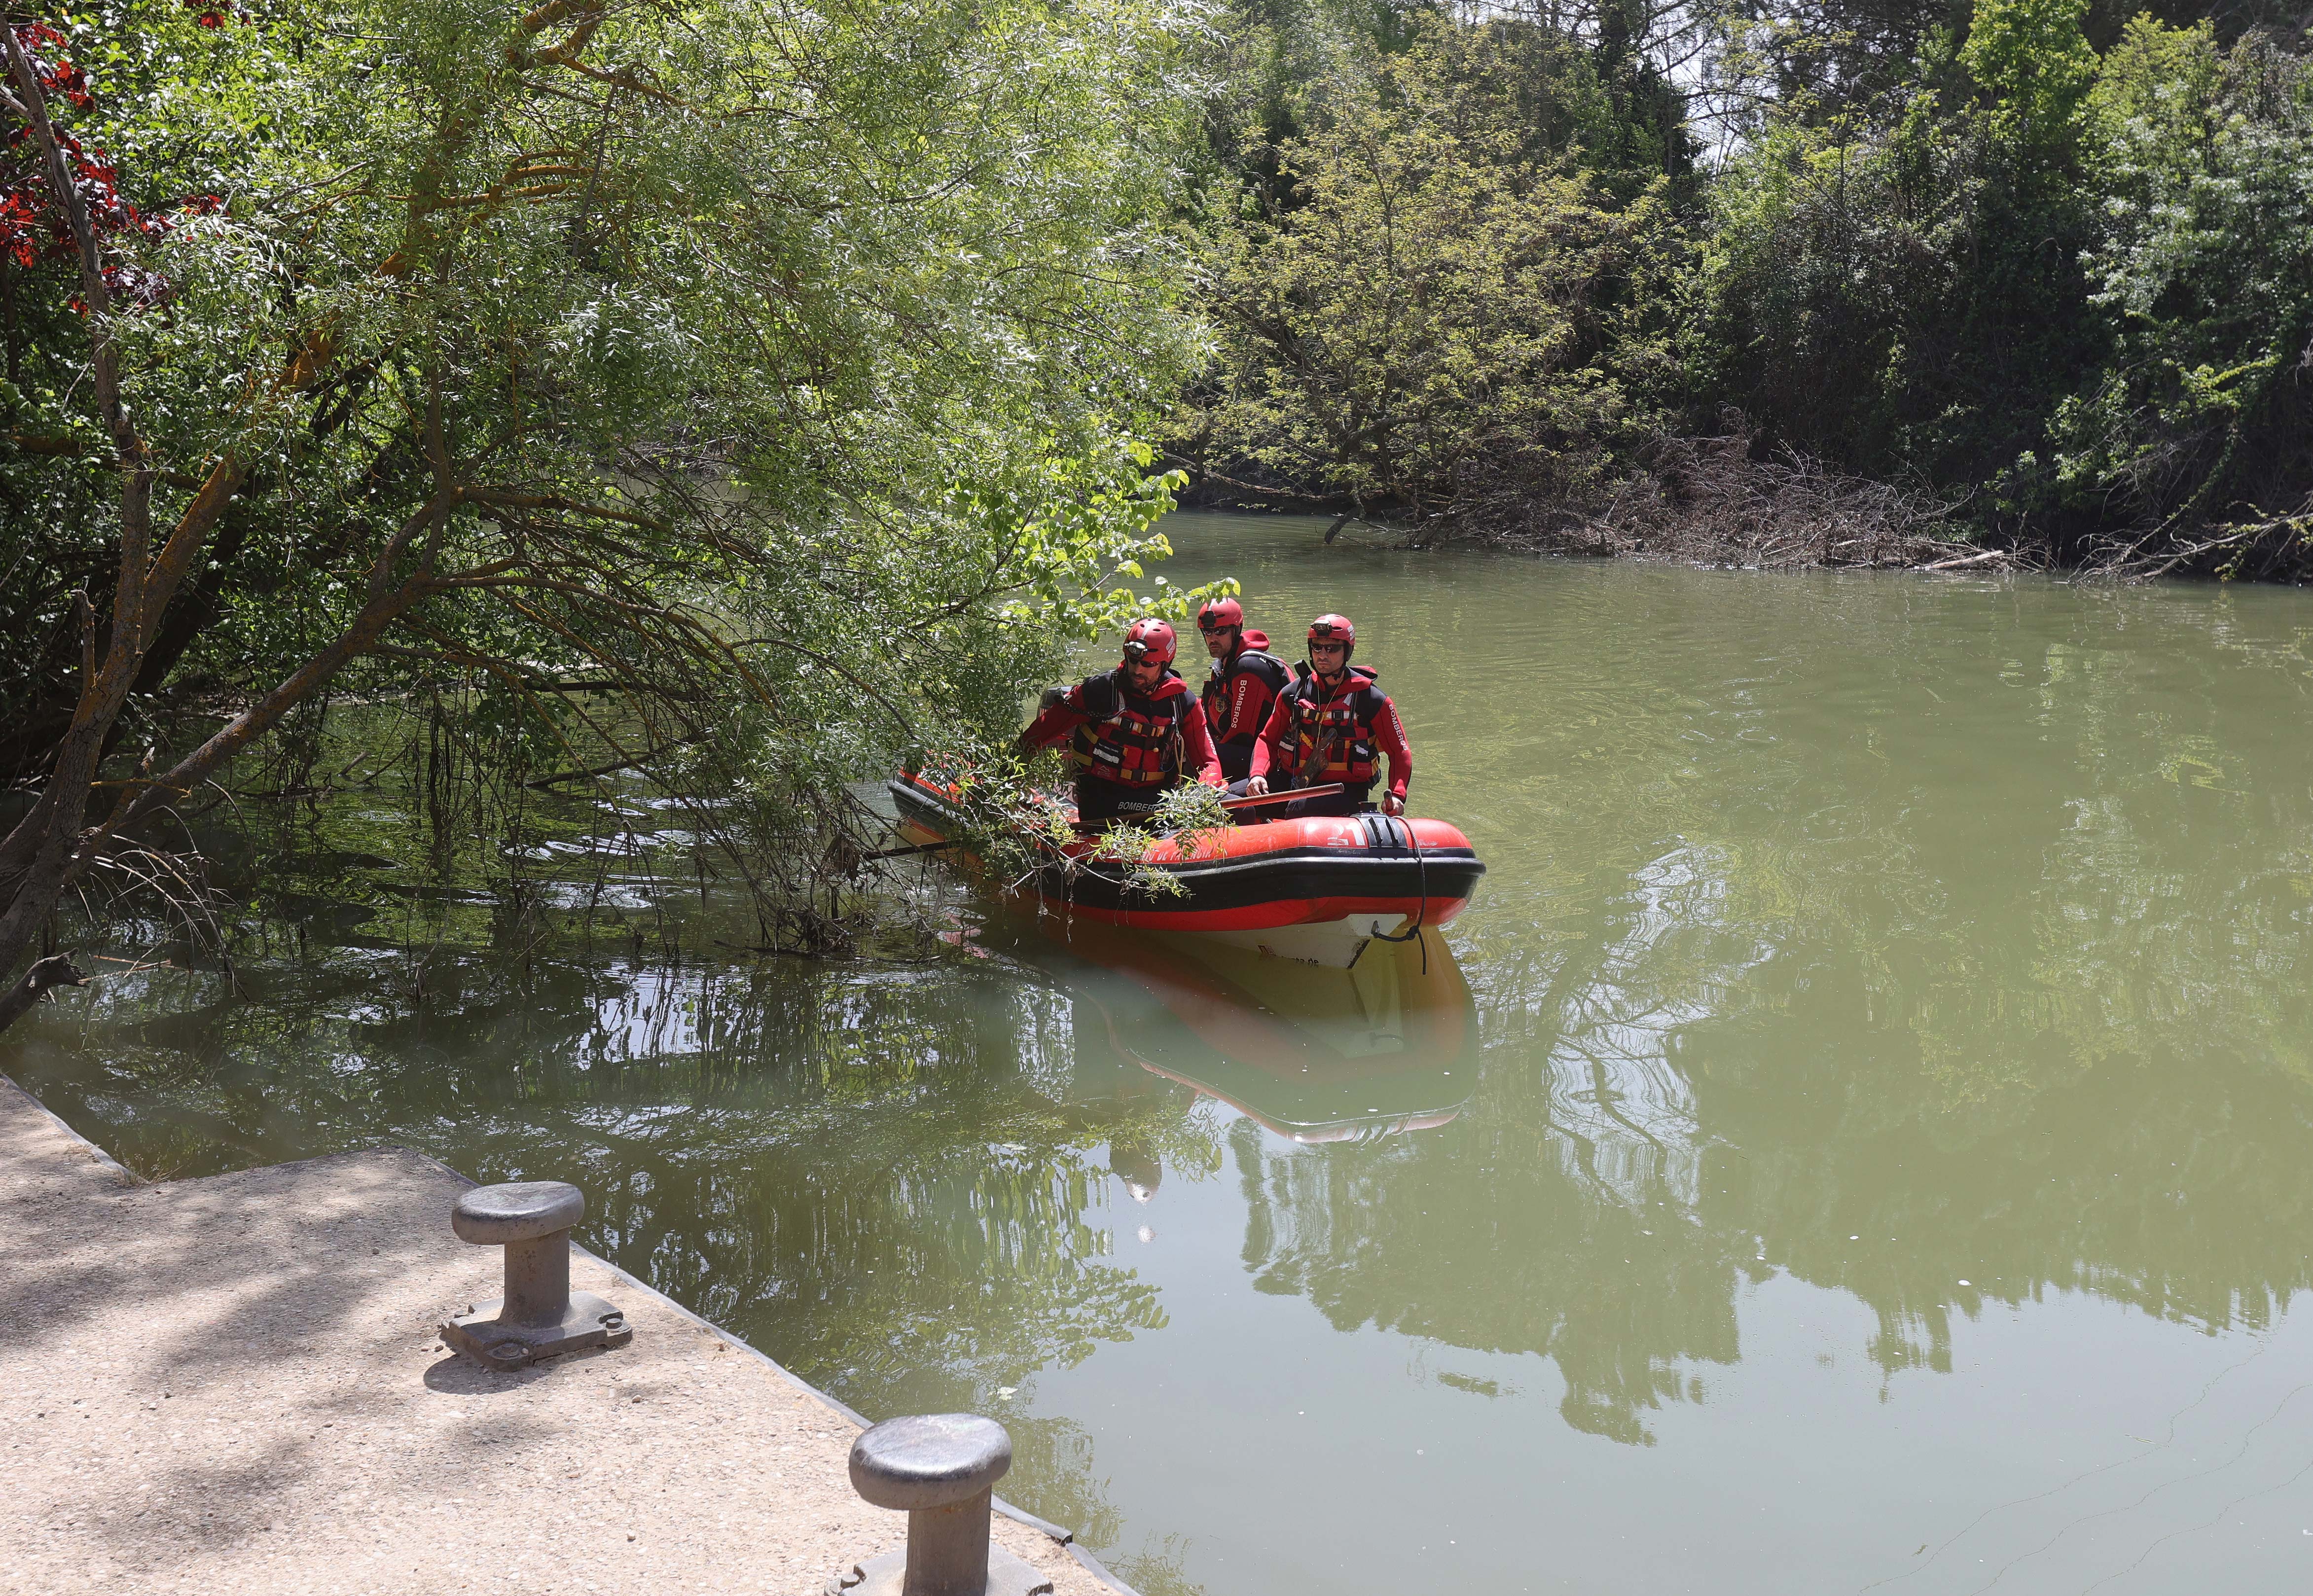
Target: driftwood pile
point(1708, 501)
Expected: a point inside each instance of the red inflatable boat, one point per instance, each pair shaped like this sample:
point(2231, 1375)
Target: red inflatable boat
point(1315, 890)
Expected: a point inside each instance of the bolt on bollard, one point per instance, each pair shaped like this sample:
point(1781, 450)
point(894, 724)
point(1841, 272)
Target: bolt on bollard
point(941, 1469)
point(539, 1315)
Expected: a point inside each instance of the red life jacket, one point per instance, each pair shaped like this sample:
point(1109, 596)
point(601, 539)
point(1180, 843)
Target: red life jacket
point(1131, 739)
point(1330, 736)
point(1220, 688)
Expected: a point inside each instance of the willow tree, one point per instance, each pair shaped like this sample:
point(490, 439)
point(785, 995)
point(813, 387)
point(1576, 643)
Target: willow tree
point(766, 364)
point(1448, 302)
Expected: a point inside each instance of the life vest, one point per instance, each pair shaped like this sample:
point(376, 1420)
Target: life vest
point(1330, 738)
point(1219, 687)
point(1132, 739)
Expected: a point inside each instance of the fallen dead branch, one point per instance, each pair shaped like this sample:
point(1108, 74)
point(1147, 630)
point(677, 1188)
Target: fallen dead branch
point(1717, 501)
point(2265, 548)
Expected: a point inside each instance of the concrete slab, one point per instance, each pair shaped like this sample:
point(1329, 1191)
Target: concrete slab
point(233, 1384)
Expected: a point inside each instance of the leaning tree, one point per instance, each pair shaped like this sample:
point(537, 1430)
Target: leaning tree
point(762, 366)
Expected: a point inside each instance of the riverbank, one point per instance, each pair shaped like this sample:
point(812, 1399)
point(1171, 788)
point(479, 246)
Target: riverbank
point(233, 1383)
point(1717, 501)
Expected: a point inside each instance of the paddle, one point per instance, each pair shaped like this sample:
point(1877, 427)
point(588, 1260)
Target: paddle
point(1287, 796)
point(921, 848)
point(1248, 802)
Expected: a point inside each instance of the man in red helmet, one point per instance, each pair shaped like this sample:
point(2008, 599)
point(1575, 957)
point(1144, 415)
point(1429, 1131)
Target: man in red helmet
point(1243, 687)
point(1141, 728)
point(1331, 725)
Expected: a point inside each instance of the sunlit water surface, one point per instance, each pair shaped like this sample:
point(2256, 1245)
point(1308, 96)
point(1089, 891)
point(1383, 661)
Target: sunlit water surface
point(1858, 1140)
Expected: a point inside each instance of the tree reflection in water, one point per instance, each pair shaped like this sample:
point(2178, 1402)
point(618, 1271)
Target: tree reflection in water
point(889, 1182)
point(2051, 1039)
point(1889, 936)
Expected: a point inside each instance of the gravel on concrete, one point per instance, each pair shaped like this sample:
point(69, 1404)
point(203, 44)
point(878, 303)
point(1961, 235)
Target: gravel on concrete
point(232, 1384)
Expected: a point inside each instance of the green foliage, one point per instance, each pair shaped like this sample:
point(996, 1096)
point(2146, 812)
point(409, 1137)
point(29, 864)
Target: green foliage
point(2204, 259)
point(1436, 304)
point(2029, 256)
point(1268, 64)
point(1903, 293)
point(2030, 58)
point(774, 369)
point(1077, 523)
point(1189, 816)
point(2069, 286)
point(1018, 819)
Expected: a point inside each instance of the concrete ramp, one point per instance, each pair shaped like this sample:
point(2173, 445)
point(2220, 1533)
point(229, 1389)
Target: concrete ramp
point(233, 1384)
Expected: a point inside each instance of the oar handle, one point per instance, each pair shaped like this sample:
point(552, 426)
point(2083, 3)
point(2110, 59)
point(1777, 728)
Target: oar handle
point(1284, 796)
point(921, 848)
point(1287, 795)
point(1249, 802)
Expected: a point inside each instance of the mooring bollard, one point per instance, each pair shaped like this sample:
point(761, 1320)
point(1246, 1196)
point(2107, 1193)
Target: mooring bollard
point(941, 1470)
point(539, 1315)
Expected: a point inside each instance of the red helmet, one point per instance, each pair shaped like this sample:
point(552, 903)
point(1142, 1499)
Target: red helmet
point(1334, 628)
point(1221, 614)
point(1147, 639)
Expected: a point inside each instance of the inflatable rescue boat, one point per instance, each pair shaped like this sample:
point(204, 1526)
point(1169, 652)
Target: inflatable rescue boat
point(1315, 890)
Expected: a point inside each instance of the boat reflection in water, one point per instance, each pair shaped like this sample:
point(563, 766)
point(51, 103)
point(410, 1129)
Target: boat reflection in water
point(1314, 1054)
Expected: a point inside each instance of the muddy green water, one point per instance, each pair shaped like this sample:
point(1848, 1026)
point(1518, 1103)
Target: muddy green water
point(1861, 1138)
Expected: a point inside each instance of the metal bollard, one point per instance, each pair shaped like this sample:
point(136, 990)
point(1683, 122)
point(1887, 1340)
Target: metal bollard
point(941, 1469)
point(539, 1315)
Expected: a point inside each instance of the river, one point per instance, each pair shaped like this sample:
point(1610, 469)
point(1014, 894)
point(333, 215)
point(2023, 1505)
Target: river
point(1861, 1136)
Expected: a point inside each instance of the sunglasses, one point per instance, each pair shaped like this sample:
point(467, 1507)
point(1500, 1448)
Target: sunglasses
point(1327, 647)
point(1206, 623)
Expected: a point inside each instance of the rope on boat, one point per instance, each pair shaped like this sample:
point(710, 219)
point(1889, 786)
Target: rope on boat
point(1422, 907)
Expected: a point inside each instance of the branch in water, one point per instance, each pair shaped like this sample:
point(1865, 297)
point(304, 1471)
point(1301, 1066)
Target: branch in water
point(56, 970)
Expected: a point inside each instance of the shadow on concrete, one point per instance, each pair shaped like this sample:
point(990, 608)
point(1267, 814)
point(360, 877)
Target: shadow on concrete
point(223, 1343)
point(456, 1375)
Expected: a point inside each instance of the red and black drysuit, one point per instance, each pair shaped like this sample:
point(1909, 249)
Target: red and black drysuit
point(1133, 746)
point(1319, 733)
point(1238, 696)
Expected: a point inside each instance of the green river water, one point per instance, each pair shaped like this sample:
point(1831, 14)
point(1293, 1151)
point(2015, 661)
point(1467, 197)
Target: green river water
point(1861, 1138)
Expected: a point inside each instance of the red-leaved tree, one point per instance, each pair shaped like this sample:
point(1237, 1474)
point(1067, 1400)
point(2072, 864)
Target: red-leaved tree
point(61, 201)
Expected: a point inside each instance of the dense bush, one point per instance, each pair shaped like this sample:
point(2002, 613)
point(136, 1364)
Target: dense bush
point(2074, 286)
point(1899, 286)
point(2192, 441)
point(2040, 259)
point(741, 396)
point(1446, 294)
